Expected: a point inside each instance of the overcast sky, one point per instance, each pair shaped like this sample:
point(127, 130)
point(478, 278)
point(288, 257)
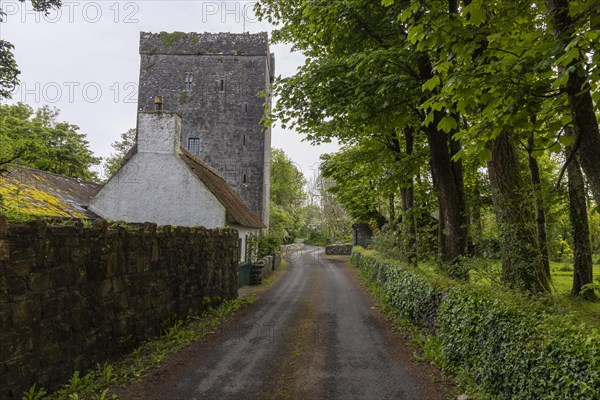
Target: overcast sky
point(83, 59)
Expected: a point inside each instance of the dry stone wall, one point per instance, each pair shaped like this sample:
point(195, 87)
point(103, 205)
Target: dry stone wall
point(345, 249)
point(73, 295)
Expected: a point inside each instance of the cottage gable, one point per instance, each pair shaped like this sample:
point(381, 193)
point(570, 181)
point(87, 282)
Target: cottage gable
point(161, 182)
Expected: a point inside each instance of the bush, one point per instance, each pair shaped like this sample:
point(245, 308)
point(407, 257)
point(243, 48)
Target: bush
point(505, 343)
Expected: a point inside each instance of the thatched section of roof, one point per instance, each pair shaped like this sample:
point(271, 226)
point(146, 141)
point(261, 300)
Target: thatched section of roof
point(237, 211)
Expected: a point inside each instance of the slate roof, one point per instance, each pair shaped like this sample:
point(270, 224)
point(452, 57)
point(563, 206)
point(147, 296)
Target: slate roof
point(237, 211)
point(41, 193)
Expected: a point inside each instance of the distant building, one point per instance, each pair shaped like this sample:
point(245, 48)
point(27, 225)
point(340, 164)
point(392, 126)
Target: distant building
point(361, 235)
point(216, 82)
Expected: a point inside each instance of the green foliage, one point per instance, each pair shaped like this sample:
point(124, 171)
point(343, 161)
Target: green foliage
point(36, 139)
point(375, 71)
point(9, 71)
point(122, 146)
point(500, 342)
point(364, 179)
point(387, 242)
point(262, 245)
point(326, 221)
point(286, 215)
point(528, 354)
point(287, 181)
point(167, 39)
point(33, 393)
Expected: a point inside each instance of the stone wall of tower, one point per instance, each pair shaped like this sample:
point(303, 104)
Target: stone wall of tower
point(215, 81)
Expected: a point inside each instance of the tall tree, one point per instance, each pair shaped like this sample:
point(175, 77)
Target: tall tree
point(522, 265)
point(38, 140)
point(363, 78)
point(577, 41)
point(122, 147)
point(540, 211)
point(583, 265)
point(287, 197)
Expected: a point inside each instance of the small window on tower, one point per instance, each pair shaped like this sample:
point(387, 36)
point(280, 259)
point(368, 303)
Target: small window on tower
point(189, 79)
point(244, 179)
point(244, 141)
point(245, 107)
point(222, 85)
point(194, 146)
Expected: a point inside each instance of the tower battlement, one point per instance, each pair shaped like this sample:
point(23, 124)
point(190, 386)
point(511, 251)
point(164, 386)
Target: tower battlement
point(192, 43)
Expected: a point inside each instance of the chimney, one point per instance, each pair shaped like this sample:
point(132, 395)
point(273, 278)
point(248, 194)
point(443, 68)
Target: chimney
point(158, 132)
point(158, 103)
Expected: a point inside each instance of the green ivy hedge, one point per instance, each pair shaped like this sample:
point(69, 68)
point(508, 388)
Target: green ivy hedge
point(506, 344)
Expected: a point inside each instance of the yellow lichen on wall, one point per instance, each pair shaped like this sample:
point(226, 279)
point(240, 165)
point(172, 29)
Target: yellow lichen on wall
point(27, 199)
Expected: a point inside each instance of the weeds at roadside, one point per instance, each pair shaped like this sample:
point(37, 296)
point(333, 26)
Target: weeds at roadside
point(97, 383)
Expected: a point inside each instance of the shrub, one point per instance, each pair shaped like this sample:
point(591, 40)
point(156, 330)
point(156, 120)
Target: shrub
point(505, 343)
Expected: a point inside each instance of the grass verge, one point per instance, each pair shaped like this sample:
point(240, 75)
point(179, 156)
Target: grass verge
point(498, 344)
point(97, 383)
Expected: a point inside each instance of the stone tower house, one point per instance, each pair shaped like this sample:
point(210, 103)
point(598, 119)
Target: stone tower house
point(216, 81)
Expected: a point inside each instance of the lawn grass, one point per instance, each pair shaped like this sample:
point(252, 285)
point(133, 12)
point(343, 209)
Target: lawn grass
point(486, 272)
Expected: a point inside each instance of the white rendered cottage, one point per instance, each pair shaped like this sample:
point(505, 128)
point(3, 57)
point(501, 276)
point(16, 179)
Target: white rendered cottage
point(161, 182)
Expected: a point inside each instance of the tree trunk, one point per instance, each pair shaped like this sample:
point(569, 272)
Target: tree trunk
point(409, 224)
point(453, 224)
point(587, 133)
point(476, 222)
point(522, 266)
point(540, 212)
point(391, 201)
point(408, 202)
point(448, 181)
point(582, 248)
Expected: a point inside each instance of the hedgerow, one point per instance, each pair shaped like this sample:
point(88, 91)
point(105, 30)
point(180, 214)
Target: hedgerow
point(506, 344)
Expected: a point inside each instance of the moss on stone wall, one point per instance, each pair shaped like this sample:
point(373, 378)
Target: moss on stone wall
point(77, 294)
point(169, 39)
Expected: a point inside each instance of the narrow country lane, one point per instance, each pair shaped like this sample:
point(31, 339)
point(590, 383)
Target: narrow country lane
point(315, 335)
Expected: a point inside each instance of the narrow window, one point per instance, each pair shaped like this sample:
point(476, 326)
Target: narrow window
point(245, 107)
point(244, 179)
point(222, 85)
point(244, 140)
point(189, 79)
point(194, 146)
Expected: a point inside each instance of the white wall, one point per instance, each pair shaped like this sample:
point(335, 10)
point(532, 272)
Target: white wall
point(158, 188)
point(242, 233)
point(155, 185)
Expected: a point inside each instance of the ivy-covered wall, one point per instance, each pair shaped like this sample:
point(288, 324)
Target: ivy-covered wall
point(76, 294)
point(501, 342)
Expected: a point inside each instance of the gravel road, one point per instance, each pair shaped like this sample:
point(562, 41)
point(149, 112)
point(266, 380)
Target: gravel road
point(316, 334)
